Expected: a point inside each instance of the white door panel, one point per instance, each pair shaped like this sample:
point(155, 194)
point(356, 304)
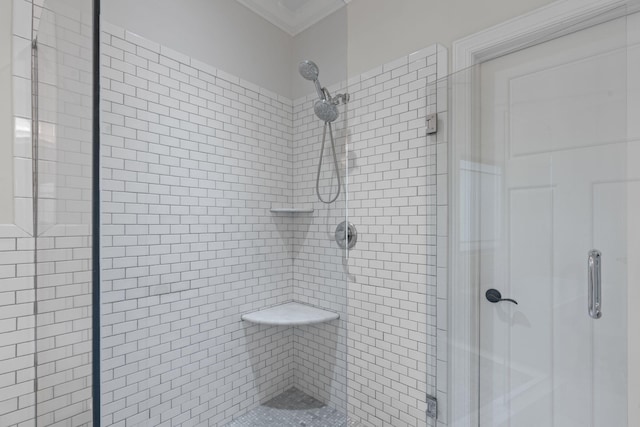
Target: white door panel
point(554, 131)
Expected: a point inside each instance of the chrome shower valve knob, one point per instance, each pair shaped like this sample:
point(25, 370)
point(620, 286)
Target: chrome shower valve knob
point(346, 239)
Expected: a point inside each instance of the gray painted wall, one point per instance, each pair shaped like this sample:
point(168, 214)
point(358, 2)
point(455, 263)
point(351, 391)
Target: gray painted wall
point(221, 33)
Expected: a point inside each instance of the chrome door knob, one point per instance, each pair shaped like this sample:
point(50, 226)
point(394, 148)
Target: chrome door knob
point(494, 295)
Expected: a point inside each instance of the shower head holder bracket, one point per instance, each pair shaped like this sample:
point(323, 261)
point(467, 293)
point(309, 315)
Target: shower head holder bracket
point(341, 98)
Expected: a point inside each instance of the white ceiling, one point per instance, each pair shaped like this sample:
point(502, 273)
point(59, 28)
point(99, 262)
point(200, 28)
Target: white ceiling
point(294, 16)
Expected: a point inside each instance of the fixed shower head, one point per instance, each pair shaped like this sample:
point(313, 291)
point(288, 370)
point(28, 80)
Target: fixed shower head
point(325, 110)
point(309, 70)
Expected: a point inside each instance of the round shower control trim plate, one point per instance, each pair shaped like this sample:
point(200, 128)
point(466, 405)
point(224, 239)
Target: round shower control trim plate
point(351, 237)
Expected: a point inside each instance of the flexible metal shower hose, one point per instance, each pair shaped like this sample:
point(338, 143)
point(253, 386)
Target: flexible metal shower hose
point(335, 163)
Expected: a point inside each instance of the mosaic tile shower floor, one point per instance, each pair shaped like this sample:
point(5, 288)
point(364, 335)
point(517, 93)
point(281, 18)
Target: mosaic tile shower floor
point(292, 408)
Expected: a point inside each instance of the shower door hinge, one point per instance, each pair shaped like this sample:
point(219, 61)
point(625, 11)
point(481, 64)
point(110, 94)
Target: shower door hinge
point(432, 407)
point(432, 123)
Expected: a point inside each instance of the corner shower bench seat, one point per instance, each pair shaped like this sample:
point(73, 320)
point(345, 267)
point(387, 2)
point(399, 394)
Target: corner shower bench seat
point(290, 314)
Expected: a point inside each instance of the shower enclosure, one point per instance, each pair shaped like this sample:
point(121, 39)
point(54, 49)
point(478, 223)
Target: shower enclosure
point(493, 214)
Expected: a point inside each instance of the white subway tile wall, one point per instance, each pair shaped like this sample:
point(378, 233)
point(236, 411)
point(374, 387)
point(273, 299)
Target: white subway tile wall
point(17, 331)
point(193, 159)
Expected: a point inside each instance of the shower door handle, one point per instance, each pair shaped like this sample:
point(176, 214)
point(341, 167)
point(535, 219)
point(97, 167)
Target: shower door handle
point(595, 282)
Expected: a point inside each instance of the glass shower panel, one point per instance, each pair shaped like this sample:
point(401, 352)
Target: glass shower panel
point(319, 264)
point(318, 272)
point(63, 206)
point(8, 56)
point(313, 383)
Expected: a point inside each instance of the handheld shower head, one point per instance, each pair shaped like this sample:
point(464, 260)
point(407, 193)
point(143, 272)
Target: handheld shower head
point(310, 71)
point(327, 110)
